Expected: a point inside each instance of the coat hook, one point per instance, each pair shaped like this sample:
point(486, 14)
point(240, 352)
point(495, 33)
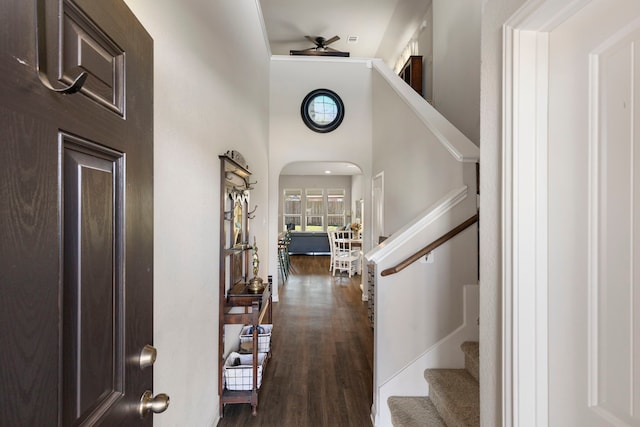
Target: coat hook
point(73, 88)
point(250, 214)
point(41, 48)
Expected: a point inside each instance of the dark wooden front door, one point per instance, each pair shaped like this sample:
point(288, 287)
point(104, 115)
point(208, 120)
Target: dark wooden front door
point(76, 213)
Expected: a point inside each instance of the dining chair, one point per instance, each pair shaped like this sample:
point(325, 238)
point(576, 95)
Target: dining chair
point(346, 258)
point(331, 237)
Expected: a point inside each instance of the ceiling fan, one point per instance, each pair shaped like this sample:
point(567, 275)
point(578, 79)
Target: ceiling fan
point(321, 48)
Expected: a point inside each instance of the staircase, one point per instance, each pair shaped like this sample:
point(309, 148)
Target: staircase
point(453, 401)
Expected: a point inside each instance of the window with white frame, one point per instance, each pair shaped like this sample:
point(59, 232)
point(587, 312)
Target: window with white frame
point(292, 209)
point(314, 209)
point(335, 208)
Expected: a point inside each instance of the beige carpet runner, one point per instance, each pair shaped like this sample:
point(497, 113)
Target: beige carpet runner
point(453, 401)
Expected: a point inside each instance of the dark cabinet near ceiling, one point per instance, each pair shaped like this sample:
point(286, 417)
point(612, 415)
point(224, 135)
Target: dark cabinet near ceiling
point(412, 73)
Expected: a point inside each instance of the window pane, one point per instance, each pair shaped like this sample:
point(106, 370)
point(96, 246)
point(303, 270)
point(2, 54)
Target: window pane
point(315, 206)
point(314, 209)
point(314, 223)
point(323, 110)
point(335, 208)
point(293, 223)
point(335, 202)
point(292, 209)
point(292, 201)
point(335, 221)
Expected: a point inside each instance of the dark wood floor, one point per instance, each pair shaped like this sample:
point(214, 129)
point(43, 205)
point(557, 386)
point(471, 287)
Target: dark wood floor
point(320, 373)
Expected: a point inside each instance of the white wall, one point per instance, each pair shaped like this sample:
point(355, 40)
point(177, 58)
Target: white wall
point(494, 14)
point(456, 61)
point(208, 99)
point(405, 21)
point(292, 78)
point(418, 169)
point(447, 35)
point(425, 48)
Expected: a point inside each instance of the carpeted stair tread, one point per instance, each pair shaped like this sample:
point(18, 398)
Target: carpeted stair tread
point(456, 395)
point(471, 350)
point(409, 411)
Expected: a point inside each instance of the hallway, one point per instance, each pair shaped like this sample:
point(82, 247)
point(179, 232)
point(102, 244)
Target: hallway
point(320, 373)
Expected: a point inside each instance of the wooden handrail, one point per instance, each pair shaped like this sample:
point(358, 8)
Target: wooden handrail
point(430, 247)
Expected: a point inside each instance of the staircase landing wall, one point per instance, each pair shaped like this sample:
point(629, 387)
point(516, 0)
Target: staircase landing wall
point(422, 155)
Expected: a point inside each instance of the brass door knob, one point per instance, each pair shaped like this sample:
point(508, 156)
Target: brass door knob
point(156, 404)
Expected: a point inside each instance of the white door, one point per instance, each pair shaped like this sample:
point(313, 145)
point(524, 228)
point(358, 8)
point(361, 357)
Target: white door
point(594, 217)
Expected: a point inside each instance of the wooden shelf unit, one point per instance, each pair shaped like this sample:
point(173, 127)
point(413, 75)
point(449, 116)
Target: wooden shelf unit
point(411, 73)
point(255, 313)
point(238, 305)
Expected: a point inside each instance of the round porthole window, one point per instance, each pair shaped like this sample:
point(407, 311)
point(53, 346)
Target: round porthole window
point(322, 110)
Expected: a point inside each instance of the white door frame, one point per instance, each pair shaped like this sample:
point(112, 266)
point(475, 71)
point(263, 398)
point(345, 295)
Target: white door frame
point(524, 209)
point(377, 208)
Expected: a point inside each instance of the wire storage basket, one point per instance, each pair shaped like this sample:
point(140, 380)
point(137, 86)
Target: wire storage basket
point(238, 371)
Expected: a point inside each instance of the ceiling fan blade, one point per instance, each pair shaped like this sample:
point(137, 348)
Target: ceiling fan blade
point(298, 52)
point(334, 52)
point(311, 39)
point(314, 52)
point(331, 40)
point(329, 51)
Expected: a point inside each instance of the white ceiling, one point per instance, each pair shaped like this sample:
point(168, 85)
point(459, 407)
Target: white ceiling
point(320, 168)
point(383, 27)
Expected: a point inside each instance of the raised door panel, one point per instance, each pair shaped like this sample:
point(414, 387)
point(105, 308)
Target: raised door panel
point(92, 296)
point(87, 48)
point(615, 232)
